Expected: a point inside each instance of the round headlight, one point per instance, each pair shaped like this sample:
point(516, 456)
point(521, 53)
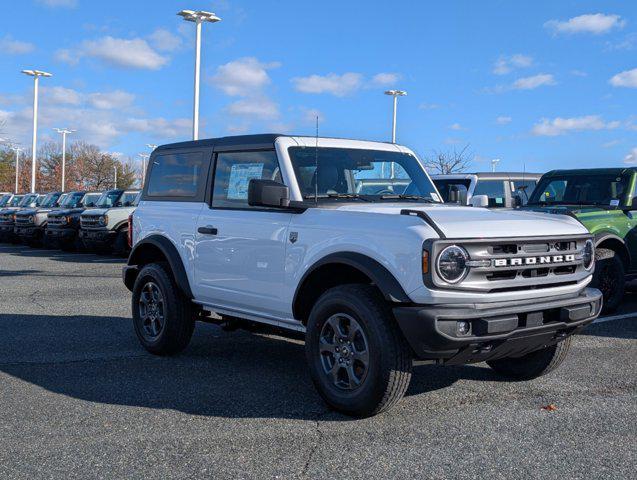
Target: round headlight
point(589, 255)
point(33, 218)
point(103, 220)
point(452, 264)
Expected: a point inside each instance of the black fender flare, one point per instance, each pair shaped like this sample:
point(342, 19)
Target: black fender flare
point(380, 276)
point(120, 224)
point(603, 236)
point(169, 251)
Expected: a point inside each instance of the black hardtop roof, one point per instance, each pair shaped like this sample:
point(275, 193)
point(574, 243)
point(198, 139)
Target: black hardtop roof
point(261, 140)
point(487, 175)
point(591, 171)
point(234, 140)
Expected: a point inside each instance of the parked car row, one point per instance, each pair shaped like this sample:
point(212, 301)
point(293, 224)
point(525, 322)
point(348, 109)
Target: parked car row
point(71, 221)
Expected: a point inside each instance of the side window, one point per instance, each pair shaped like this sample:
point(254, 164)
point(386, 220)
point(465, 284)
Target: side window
point(494, 189)
point(233, 172)
point(176, 175)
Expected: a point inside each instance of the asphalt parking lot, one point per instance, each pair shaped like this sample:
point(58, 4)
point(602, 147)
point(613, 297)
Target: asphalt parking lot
point(80, 399)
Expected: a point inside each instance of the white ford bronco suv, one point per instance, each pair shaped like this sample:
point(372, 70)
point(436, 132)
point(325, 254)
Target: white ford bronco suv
point(269, 230)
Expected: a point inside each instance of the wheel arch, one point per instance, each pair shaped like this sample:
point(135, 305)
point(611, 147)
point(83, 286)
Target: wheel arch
point(613, 242)
point(156, 248)
point(339, 269)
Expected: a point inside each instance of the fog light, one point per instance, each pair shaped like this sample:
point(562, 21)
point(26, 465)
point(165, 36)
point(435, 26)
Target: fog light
point(463, 327)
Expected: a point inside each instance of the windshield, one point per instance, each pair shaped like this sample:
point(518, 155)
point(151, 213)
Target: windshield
point(27, 199)
point(49, 200)
point(372, 175)
point(4, 200)
point(15, 201)
point(71, 200)
point(108, 199)
point(91, 199)
point(128, 199)
point(602, 190)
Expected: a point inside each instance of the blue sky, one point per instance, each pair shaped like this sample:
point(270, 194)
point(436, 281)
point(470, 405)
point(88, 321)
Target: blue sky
point(538, 84)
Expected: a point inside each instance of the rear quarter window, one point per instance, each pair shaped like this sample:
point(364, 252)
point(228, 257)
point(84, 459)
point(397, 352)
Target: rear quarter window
point(178, 176)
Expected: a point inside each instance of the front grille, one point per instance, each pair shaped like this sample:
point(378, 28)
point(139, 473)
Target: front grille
point(505, 265)
point(56, 221)
point(90, 221)
point(23, 220)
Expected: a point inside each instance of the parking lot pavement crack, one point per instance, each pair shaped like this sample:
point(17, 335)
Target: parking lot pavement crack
point(316, 444)
point(34, 300)
point(73, 361)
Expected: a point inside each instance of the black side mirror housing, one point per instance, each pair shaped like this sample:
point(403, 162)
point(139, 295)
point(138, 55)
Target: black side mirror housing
point(268, 193)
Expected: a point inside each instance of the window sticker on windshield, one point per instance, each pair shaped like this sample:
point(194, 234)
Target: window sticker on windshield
point(499, 200)
point(614, 203)
point(240, 176)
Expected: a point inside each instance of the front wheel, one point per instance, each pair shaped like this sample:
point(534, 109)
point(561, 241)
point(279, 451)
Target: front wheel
point(534, 364)
point(162, 315)
point(609, 278)
point(358, 359)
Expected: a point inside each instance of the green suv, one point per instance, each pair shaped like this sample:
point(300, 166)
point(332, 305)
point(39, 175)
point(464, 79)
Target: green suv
point(604, 200)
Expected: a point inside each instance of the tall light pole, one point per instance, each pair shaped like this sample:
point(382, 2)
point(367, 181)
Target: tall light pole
point(36, 74)
point(17, 151)
point(115, 177)
point(395, 94)
point(144, 157)
point(64, 132)
point(494, 164)
point(198, 17)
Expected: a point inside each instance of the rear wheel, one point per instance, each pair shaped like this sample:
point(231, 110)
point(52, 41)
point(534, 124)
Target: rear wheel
point(358, 359)
point(162, 315)
point(609, 278)
point(534, 364)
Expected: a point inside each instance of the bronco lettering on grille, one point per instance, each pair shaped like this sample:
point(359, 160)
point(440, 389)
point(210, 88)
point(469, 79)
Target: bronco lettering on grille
point(543, 260)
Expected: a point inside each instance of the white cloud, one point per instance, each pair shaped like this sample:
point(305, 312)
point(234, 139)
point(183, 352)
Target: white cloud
point(456, 126)
point(311, 114)
point(385, 79)
point(579, 73)
point(596, 24)
point(561, 126)
point(58, 3)
point(111, 100)
point(243, 77)
point(504, 64)
point(337, 85)
point(428, 106)
point(611, 143)
point(121, 52)
point(61, 96)
point(260, 108)
point(15, 47)
point(160, 127)
point(165, 41)
point(535, 81)
point(626, 78)
point(503, 120)
point(629, 42)
point(631, 158)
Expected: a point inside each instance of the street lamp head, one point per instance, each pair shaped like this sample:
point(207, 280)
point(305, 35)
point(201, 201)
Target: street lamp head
point(396, 93)
point(64, 130)
point(198, 16)
point(37, 73)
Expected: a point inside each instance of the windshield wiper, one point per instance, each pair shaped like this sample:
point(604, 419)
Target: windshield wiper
point(349, 196)
point(403, 196)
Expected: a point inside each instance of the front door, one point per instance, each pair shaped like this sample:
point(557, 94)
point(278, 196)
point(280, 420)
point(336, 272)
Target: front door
point(240, 250)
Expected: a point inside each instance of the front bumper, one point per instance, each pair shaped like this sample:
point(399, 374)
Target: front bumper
point(97, 238)
point(494, 331)
point(6, 230)
point(61, 234)
point(28, 232)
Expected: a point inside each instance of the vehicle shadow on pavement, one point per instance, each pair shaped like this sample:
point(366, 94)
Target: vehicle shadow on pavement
point(625, 328)
point(61, 256)
point(237, 374)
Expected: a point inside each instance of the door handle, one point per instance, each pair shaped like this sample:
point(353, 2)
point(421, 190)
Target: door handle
point(207, 230)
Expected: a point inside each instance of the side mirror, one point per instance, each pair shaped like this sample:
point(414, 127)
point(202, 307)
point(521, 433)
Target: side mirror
point(454, 195)
point(480, 201)
point(268, 193)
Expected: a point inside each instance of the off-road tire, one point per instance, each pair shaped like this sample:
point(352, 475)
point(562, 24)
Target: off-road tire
point(179, 320)
point(534, 364)
point(120, 245)
point(390, 359)
point(610, 278)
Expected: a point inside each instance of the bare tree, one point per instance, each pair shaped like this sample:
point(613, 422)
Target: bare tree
point(454, 161)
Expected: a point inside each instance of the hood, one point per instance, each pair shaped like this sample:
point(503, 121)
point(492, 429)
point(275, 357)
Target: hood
point(66, 211)
point(472, 222)
point(96, 212)
point(563, 209)
point(26, 212)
